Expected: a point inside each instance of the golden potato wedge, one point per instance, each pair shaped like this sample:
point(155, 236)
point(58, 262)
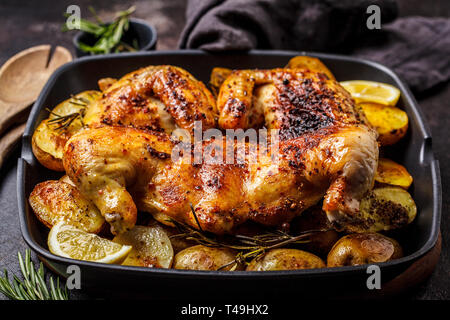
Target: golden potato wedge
point(363, 248)
point(392, 173)
point(391, 123)
point(48, 145)
point(383, 209)
point(204, 258)
point(151, 247)
point(218, 76)
point(286, 259)
point(310, 63)
point(50, 136)
point(54, 201)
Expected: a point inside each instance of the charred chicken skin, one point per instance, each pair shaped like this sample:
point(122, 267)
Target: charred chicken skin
point(321, 131)
point(158, 98)
point(325, 150)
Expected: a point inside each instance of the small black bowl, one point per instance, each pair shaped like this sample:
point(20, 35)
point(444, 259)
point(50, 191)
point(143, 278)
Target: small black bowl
point(139, 29)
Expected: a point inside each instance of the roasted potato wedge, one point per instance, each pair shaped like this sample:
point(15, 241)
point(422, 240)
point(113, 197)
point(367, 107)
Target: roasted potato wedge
point(52, 134)
point(310, 63)
point(218, 76)
point(363, 248)
point(151, 247)
point(383, 209)
point(47, 145)
point(392, 173)
point(285, 259)
point(391, 123)
point(204, 258)
point(54, 201)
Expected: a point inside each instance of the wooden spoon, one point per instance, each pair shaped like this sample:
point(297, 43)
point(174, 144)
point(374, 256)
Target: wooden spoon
point(9, 140)
point(22, 78)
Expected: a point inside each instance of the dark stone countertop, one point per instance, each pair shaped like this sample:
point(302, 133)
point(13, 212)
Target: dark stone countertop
point(26, 23)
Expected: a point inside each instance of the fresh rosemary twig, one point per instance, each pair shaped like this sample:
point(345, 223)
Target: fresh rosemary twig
point(264, 245)
point(248, 247)
point(33, 285)
point(195, 216)
point(108, 37)
point(63, 122)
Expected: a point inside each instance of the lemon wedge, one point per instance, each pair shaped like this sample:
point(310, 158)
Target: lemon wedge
point(371, 91)
point(70, 242)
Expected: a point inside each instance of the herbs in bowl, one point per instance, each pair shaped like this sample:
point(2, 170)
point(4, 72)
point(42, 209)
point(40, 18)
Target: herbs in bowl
point(124, 34)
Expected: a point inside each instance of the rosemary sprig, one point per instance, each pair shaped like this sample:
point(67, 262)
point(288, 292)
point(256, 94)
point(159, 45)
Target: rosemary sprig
point(195, 216)
point(63, 122)
point(108, 37)
point(33, 285)
point(248, 247)
point(261, 246)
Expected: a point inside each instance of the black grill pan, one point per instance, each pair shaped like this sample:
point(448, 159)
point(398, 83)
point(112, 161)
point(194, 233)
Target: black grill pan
point(414, 151)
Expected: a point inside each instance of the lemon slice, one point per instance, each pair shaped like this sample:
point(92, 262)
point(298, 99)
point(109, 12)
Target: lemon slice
point(371, 91)
point(70, 242)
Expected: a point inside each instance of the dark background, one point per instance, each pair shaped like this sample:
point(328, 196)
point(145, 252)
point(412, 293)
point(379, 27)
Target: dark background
point(27, 23)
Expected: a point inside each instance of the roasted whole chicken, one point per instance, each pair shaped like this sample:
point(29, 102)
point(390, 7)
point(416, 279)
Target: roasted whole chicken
point(245, 177)
point(326, 150)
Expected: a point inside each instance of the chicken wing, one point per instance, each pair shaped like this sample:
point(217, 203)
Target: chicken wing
point(159, 98)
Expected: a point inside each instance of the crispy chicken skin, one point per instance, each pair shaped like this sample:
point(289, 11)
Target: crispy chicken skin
point(325, 151)
point(114, 166)
point(125, 169)
point(159, 98)
point(292, 100)
point(320, 128)
point(101, 163)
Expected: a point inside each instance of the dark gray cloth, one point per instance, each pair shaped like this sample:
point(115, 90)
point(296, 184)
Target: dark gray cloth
point(417, 48)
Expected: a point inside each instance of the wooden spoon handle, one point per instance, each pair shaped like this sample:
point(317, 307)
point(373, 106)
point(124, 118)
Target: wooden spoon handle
point(12, 114)
point(9, 140)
